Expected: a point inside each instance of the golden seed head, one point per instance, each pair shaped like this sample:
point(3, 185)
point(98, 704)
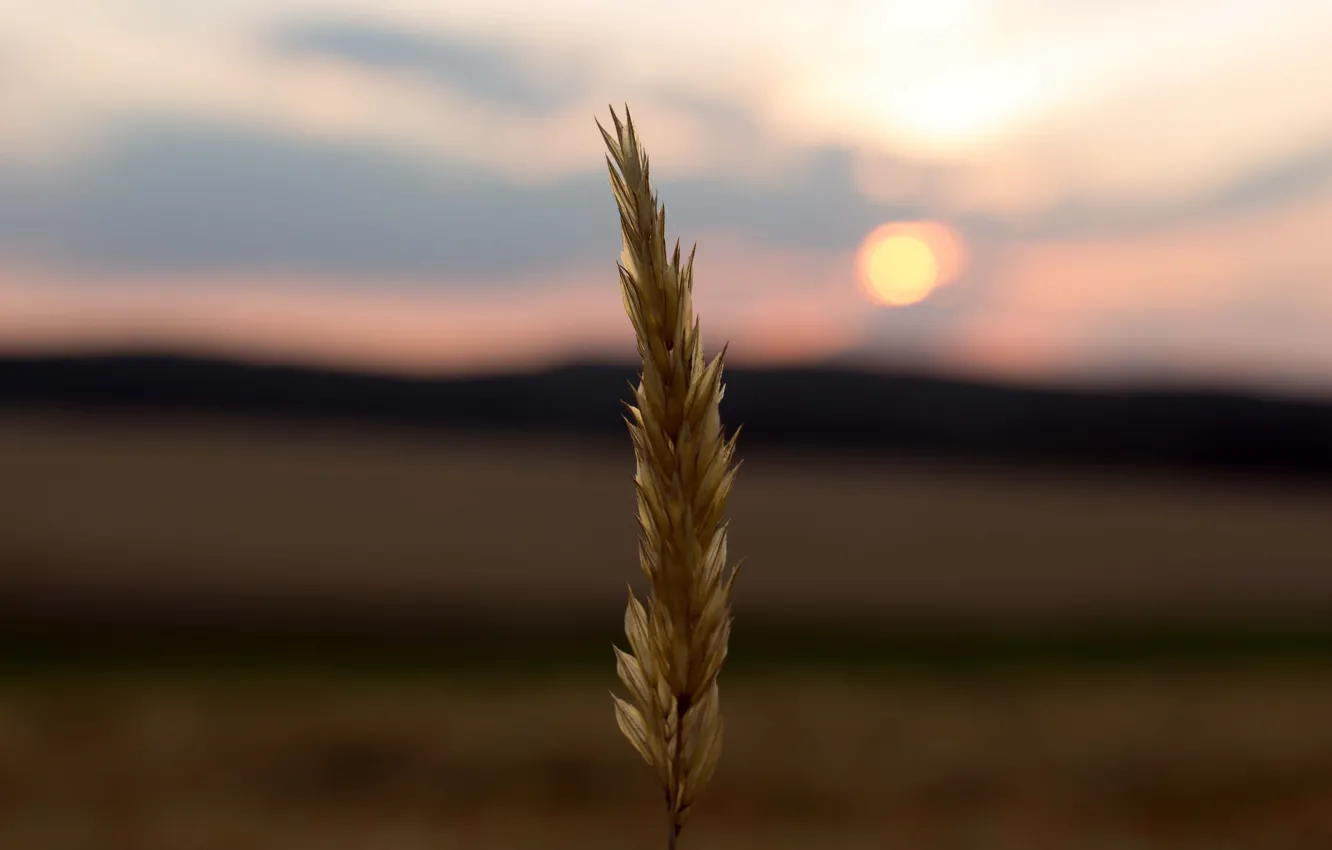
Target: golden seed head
point(684, 474)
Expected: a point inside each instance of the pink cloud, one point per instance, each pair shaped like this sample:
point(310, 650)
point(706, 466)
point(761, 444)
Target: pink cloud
point(773, 307)
point(1245, 296)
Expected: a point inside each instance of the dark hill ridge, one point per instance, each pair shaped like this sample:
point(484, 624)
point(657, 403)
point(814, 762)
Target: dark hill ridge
point(809, 408)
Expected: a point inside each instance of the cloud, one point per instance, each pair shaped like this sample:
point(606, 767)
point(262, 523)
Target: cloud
point(1007, 109)
point(186, 197)
point(495, 73)
point(1244, 296)
point(180, 197)
point(778, 306)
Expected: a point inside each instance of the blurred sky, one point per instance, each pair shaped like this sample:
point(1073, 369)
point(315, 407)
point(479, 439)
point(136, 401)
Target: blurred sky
point(1143, 187)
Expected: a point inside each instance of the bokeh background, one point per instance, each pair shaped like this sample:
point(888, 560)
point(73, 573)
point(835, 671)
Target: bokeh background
point(315, 499)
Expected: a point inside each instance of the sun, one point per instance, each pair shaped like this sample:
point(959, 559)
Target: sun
point(903, 262)
point(902, 270)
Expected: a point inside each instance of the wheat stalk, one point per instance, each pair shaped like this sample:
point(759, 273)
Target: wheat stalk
point(678, 641)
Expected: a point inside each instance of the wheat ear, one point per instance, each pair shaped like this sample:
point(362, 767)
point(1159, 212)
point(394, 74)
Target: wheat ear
point(685, 470)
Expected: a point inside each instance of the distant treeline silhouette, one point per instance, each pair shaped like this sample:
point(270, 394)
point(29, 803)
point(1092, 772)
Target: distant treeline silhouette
point(809, 408)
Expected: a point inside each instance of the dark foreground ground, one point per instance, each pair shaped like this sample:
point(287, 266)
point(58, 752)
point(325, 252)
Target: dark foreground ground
point(312, 637)
point(1130, 757)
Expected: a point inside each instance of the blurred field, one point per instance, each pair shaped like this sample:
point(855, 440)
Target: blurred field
point(1181, 760)
point(112, 527)
point(311, 520)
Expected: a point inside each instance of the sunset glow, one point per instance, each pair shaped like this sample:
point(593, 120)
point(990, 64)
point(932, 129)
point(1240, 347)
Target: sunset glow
point(1089, 189)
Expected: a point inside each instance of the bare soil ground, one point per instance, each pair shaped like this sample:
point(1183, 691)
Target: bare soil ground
point(1182, 761)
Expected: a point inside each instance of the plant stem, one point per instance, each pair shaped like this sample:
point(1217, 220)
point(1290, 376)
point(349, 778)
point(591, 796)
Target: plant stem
point(681, 708)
